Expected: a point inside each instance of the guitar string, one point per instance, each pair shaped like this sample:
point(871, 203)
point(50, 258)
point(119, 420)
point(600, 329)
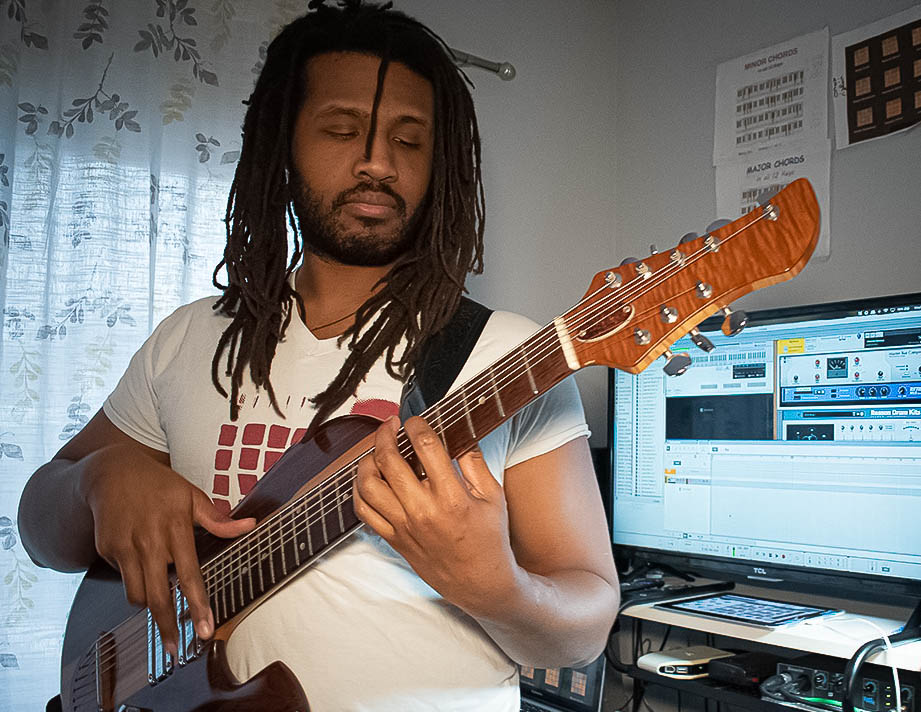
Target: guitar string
point(217, 571)
point(491, 373)
point(648, 283)
point(643, 286)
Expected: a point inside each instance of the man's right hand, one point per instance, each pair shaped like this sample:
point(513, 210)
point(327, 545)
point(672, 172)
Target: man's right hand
point(144, 513)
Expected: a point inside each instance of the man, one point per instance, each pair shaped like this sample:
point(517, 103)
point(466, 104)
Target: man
point(361, 126)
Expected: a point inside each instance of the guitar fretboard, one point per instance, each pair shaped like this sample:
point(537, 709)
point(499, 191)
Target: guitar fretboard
point(306, 528)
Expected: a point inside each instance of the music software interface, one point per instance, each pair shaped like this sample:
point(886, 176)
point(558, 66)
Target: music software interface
point(793, 443)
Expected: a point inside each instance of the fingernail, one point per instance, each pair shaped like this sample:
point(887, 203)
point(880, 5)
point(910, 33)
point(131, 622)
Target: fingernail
point(204, 629)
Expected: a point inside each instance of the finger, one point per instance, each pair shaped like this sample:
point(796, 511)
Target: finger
point(205, 514)
point(477, 477)
point(369, 515)
point(434, 458)
point(133, 580)
point(391, 464)
point(188, 570)
point(159, 600)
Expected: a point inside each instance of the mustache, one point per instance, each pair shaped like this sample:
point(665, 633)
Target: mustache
point(369, 187)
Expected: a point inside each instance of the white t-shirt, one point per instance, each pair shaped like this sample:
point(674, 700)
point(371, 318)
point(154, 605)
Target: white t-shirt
point(359, 628)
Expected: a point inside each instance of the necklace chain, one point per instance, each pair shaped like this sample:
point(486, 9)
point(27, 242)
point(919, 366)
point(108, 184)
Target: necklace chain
point(334, 321)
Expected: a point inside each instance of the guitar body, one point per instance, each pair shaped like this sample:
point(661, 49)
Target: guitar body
point(205, 683)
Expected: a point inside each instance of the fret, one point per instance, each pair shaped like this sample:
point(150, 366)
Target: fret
point(281, 546)
point(339, 500)
point(305, 508)
point(259, 558)
point(229, 584)
point(323, 517)
point(495, 391)
point(437, 424)
point(239, 577)
point(271, 556)
point(249, 568)
point(331, 512)
point(297, 543)
point(527, 369)
point(463, 405)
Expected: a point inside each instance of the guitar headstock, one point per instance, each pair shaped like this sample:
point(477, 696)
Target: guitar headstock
point(632, 314)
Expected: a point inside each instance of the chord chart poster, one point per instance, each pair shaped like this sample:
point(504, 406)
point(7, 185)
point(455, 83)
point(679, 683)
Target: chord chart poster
point(876, 78)
point(743, 185)
point(773, 96)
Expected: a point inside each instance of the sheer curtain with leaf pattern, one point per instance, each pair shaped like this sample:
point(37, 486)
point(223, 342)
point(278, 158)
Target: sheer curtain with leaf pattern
point(120, 128)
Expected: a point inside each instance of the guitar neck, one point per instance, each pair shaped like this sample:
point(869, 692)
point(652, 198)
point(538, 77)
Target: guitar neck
point(482, 404)
point(306, 528)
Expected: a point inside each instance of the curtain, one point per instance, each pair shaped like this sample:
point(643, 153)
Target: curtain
point(120, 127)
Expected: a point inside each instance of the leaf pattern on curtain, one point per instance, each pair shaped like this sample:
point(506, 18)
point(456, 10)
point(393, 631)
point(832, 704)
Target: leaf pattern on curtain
point(119, 133)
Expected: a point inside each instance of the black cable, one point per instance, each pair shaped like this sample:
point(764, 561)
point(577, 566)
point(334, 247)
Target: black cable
point(911, 631)
point(668, 632)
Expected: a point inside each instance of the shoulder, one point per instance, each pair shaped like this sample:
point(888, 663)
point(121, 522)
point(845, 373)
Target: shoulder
point(504, 331)
point(188, 328)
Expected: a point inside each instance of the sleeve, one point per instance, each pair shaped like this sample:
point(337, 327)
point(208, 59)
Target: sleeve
point(547, 423)
point(134, 407)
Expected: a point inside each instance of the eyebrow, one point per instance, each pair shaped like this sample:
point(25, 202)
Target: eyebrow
point(338, 110)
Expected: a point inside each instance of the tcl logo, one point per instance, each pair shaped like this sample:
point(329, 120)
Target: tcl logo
point(759, 570)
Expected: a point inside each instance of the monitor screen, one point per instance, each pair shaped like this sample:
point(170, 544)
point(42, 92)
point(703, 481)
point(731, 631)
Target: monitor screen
point(788, 455)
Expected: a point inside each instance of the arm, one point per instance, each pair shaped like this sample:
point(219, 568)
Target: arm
point(565, 593)
point(55, 520)
point(105, 492)
point(531, 562)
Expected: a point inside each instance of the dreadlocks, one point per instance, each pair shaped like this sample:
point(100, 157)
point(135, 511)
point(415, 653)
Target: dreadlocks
point(423, 288)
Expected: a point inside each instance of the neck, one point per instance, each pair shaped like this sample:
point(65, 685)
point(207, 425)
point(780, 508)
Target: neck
point(332, 292)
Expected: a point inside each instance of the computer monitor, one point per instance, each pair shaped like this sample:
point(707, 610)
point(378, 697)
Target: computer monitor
point(788, 456)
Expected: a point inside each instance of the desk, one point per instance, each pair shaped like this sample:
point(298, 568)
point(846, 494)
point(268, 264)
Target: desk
point(837, 636)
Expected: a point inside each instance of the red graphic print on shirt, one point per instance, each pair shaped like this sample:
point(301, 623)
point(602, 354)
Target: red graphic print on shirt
point(245, 453)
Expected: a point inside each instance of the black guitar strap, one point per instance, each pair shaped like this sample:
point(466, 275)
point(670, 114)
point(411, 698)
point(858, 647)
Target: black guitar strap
point(442, 358)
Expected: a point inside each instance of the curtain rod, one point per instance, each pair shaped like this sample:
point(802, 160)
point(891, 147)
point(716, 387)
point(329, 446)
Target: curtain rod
point(505, 70)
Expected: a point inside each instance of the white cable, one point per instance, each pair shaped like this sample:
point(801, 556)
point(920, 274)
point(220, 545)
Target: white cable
point(885, 637)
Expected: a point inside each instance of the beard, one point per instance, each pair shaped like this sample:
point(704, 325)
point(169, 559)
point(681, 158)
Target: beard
point(324, 234)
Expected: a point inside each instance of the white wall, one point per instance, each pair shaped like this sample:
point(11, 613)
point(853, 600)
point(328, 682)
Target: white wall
point(603, 144)
point(547, 149)
point(666, 58)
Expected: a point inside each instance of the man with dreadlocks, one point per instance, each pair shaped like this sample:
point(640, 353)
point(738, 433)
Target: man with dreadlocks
point(360, 136)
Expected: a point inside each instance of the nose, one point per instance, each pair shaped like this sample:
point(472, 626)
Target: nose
point(376, 160)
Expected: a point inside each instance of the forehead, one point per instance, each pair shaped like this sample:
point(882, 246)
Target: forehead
point(349, 80)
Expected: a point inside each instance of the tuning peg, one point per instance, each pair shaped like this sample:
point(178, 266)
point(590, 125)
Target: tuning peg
point(734, 322)
point(717, 224)
point(676, 364)
point(653, 250)
point(628, 260)
point(687, 237)
point(701, 341)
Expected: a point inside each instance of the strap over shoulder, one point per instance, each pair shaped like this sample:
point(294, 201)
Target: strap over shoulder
point(443, 357)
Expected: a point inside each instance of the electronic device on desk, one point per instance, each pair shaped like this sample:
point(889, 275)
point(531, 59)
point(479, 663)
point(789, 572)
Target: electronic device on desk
point(748, 610)
point(746, 670)
point(817, 681)
point(681, 663)
point(563, 689)
point(789, 456)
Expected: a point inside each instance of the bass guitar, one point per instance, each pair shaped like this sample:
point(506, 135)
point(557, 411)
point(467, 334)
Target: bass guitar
point(113, 657)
